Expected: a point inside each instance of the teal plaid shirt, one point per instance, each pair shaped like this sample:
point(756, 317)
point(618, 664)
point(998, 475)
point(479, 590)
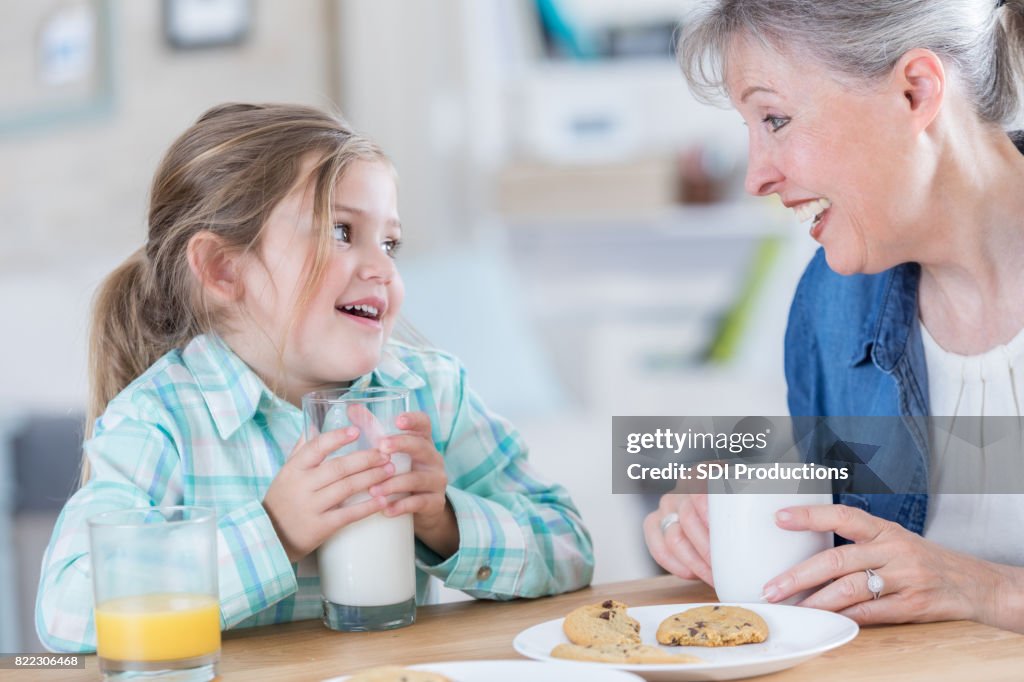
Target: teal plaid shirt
point(200, 428)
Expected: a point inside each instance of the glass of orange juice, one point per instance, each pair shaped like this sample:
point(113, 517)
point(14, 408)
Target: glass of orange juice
point(154, 575)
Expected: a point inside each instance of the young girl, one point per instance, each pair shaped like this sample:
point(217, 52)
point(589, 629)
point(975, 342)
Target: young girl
point(269, 272)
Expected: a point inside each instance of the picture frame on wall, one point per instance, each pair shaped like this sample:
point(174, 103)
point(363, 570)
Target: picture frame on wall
point(195, 24)
point(58, 65)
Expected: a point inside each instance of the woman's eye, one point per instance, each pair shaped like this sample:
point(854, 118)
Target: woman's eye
point(391, 246)
point(775, 123)
point(341, 233)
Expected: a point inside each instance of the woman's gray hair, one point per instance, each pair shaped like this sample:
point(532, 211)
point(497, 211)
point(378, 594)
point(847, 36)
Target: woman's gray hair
point(981, 40)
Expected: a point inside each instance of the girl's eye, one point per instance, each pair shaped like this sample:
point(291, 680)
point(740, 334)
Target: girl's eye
point(775, 123)
point(391, 246)
point(341, 233)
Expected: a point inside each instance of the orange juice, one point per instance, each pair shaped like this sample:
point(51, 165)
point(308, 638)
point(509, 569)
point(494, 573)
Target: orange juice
point(158, 627)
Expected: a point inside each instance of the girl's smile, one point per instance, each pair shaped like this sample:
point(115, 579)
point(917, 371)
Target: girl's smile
point(364, 311)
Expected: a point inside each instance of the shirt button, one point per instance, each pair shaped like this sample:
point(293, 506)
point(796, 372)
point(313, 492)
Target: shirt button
point(483, 573)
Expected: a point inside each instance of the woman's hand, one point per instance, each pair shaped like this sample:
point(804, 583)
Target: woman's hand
point(683, 548)
point(303, 501)
point(425, 483)
point(923, 581)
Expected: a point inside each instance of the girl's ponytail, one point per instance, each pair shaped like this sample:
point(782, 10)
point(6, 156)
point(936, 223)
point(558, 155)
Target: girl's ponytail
point(120, 345)
point(119, 348)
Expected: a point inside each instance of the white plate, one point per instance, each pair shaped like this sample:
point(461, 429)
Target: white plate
point(795, 635)
point(518, 671)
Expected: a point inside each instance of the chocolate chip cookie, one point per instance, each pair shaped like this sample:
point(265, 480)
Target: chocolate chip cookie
point(604, 623)
point(713, 626)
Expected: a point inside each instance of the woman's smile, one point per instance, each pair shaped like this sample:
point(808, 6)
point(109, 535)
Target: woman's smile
point(818, 223)
point(815, 210)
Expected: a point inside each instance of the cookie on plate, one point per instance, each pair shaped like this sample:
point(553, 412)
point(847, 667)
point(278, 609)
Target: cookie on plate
point(604, 623)
point(395, 673)
point(620, 653)
point(713, 626)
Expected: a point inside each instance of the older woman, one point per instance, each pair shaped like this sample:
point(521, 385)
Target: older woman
point(881, 123)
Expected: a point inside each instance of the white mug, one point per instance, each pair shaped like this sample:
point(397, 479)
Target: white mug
point(748, 549)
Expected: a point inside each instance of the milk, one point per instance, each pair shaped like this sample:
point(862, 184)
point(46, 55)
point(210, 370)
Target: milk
point(370, 562)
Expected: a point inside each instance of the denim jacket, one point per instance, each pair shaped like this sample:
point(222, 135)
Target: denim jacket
point(853, 348)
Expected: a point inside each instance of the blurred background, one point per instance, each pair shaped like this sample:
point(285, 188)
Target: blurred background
point(575, 224)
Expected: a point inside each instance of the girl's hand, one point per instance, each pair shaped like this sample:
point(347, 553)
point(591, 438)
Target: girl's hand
point(923, 581)
point(682, 548)
point(425, 483)
point(303, 501)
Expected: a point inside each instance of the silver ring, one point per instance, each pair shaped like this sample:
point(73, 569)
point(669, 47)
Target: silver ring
point(875, 583)
point(668, 521)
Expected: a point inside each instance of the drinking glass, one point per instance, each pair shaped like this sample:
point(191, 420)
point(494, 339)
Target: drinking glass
point(154, 575)
point(367, 569)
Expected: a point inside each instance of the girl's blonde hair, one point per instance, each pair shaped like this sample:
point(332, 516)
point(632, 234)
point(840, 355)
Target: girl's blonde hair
point(224, 175)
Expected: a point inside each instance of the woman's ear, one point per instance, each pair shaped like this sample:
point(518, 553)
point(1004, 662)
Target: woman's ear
point(921, 77)
point(217, 271)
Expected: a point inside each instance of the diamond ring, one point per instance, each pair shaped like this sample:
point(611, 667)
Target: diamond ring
point(875, 583)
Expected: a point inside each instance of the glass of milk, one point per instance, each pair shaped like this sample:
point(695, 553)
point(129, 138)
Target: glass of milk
point(367, 569)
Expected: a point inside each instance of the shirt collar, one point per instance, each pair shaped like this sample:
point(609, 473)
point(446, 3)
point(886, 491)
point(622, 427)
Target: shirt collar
point(233, 392)
point(887, 334)
point(231, 389)
point(391, 371)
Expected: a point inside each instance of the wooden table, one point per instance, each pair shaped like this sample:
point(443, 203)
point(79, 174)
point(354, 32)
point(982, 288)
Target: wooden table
point(484, 630)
